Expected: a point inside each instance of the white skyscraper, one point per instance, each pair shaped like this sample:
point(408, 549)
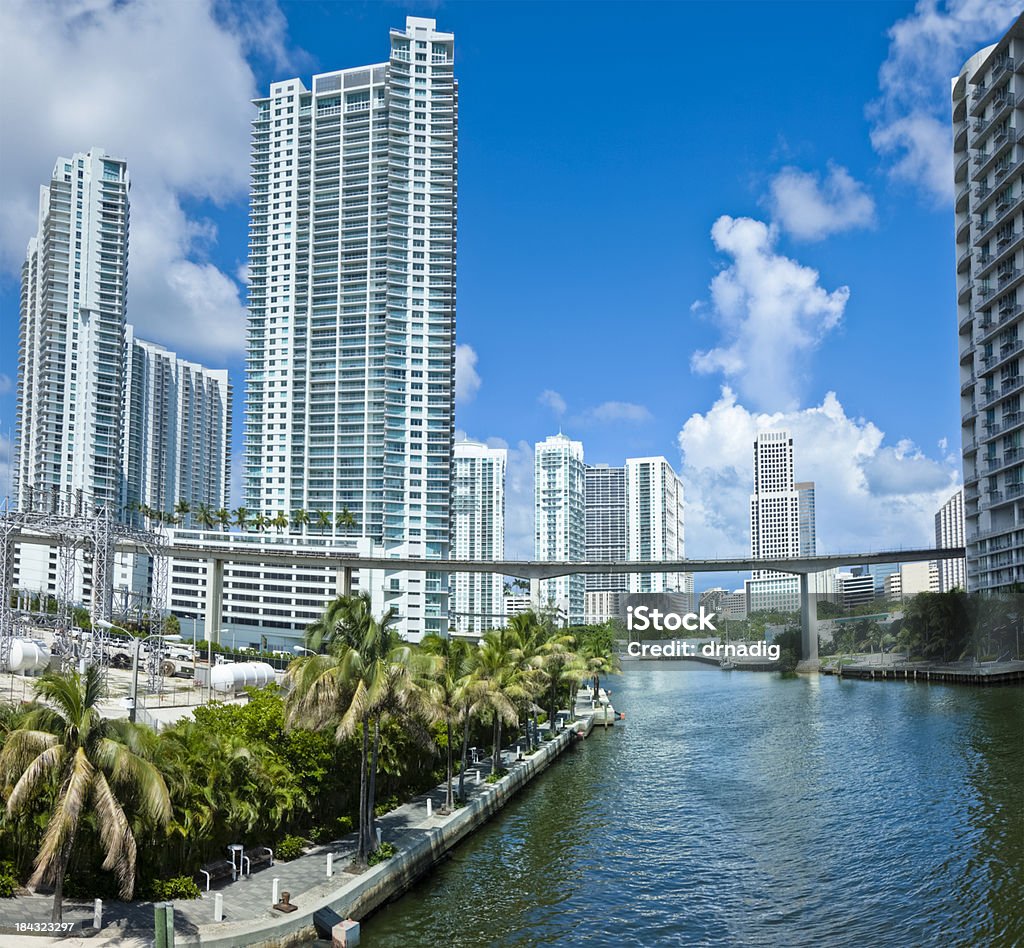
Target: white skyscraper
point(654, 518)
point(177, 429)
point(478, 520)
point(949, 531)
point(70, 361)
point(351, 343)
point(560, 520)
point(781, 526)
point(988, 117)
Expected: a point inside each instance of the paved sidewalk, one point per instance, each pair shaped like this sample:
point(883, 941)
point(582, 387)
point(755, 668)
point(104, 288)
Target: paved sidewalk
point(130, 924)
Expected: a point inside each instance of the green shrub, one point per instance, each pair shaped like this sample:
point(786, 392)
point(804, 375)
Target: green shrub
point(318, 834)
point(289, 848)
point(382, 852)
point(179, 887)
point(344, 825)
point(386, 806)
point(8, 879)
point(495, 777)
point(549, 736)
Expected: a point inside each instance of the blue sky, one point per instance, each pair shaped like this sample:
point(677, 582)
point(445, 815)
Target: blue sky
point(599, 146)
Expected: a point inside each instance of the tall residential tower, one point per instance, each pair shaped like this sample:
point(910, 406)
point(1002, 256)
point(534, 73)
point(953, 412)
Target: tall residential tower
point(478, 515)
point(559, 486)
point(949, 531)
point(70, 360)
point(351, 333)
point(988, 147)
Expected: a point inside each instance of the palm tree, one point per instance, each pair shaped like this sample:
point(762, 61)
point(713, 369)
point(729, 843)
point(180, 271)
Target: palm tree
point(205, 517)
point(241, 515)
point(365, 676)
point(182, 509)
point(94, 764)
point(446, 696)
point(529, 636)
point(261, 522)
point(345, 520)
point(563, 666)
point(323, 520)
point(300, 519)
point(495, 688)
point(280, 521)
point(223, 516)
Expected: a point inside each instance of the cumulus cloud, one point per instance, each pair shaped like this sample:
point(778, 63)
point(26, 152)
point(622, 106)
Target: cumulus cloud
point(869, 494)
point(911, 117)
point(811, 208)
point(467, 379)
point(771, 311)
point(165, 86)
point(554, 401)
point(612, 412)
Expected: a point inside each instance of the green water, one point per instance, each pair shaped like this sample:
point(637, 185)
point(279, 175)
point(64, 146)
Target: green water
point(744, 809)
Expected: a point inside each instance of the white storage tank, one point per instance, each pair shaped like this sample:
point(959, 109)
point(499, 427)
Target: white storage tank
point(238, 675)
point(28, 656)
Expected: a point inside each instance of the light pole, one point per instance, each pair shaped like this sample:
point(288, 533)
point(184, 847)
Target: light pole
point(103, 624)
point(302, 650)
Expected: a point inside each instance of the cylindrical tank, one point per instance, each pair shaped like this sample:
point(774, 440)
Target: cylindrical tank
point(238, 675)
point(28, 656)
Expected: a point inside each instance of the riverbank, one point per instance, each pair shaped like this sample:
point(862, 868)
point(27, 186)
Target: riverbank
point(422, 837)
point(983, 674)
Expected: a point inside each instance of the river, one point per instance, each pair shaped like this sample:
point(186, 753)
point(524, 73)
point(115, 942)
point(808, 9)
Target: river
point(737, 808)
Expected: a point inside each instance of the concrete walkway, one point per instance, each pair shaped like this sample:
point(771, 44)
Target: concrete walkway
point(248, 898)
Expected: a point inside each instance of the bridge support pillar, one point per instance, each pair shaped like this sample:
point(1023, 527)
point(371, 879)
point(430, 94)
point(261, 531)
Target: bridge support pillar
point(808, 627)
point(343, 585)
point(214, 599)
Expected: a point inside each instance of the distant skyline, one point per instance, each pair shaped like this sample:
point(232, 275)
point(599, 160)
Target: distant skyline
point(693, 222)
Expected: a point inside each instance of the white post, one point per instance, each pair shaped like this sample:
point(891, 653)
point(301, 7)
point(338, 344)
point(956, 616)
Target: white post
point(478, 776)
point(330, 865)
point(430, 808)
point(97, 914)
point(218, 907)
point(275, 893)
point(380, 835)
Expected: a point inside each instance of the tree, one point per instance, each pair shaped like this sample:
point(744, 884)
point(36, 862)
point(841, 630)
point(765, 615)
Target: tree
point(300, 519)
point(223, 516)
point(323, 520)
point(171, 624)
point(205, 517)
point(280, 521)
point(495, 689)
point(446, 691)
point(261, 522)
point(345, 520)
point(182, 509)
point(241, 515)
point(96, 766)
point(365, 675)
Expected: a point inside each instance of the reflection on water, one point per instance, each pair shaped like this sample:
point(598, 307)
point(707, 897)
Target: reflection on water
point(744, 809)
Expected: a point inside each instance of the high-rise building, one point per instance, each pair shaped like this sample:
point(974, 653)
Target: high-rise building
point(478, 521)
point(606, 528)
point(988, 115)
point(855, 588)
point(351, 331)
point(781, 527)
point(560, 521)
point(654, 520)
point(177, 430)
point(70, 360)
point(949, 531)
point(805, 505)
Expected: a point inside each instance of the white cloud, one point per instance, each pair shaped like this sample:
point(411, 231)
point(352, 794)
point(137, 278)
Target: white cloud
point(6, 384)
point(810, 208)
point(611, 412)
point(467, 380)
point(868, 494)
point(6, 467)
point(165, 86)
point(552, 400)
point(771, 311)
point(911, 118)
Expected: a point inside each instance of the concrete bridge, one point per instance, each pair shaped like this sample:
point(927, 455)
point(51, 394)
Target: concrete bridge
point(271, 551)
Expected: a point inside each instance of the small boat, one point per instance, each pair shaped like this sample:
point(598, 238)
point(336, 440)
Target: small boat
point(726, 665)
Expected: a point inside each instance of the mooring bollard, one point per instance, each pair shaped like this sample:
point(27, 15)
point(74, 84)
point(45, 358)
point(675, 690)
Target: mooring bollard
point(380, 835)
point(430, 808)
point(97, 914)
point(275, 893)
point(330, 865)
point(218, 907)
point(160, 924)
